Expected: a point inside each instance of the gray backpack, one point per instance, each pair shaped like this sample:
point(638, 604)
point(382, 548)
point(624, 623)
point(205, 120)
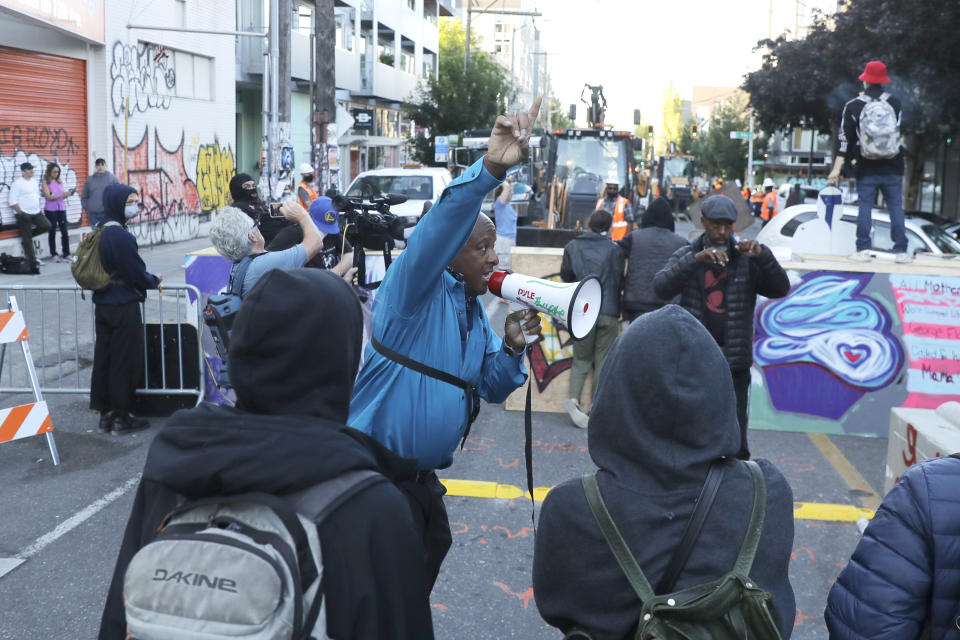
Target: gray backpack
point(878, 129)
point(247, 566)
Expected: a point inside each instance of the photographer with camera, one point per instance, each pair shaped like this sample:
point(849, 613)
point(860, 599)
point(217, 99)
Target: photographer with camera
point(432, 353)
point(236, 237)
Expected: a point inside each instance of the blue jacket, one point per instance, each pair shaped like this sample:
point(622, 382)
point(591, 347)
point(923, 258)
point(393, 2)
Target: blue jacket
point(905, 572)
point(120, 255)
point(421, 311)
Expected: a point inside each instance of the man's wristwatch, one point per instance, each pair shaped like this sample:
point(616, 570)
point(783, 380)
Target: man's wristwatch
point(513, 353)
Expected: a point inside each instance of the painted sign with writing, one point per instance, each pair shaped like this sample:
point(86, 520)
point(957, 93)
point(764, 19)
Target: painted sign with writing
point(842, 349)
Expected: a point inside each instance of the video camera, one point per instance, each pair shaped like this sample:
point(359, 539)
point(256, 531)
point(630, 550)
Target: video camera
point(370, 225)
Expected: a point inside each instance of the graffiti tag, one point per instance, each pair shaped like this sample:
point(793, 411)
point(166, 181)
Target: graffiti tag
point(215, 168)
point(140, 73)
point(39, 139)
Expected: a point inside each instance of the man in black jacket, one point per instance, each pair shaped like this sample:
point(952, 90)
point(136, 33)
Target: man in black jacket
point(593, 254)
point(118, 350)
point(647, 249)
point(719, 281)
point(293, 362)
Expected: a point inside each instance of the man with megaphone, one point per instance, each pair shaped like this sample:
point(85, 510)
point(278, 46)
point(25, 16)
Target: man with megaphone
point(432, 354)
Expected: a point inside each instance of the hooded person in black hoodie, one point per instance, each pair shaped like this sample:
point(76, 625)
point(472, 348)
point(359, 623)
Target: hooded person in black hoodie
point(647, 249)
point(118, 351)
point(244, 192)
point(653, 450)
point(293, 363)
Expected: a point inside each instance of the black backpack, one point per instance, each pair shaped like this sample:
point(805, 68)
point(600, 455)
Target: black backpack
point(17, 265)
point(732, 607)
point(220, 312)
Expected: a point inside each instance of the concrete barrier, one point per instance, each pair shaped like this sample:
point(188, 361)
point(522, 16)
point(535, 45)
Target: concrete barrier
point(920, 434)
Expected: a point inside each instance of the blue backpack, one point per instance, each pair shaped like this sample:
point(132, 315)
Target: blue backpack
point(220, 312)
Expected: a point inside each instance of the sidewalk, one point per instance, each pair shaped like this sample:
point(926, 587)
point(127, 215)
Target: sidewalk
point(13, 247)
point(165, 259)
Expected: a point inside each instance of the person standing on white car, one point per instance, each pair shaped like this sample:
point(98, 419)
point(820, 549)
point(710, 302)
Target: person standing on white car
point(870, 137)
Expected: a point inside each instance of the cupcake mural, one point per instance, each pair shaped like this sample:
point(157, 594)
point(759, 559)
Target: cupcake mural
point(825, 345)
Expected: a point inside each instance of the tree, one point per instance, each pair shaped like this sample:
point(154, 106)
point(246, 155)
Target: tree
point(558, 117)
point(806, 82)
point(672, 118)
point(716, 153)
point(456, 100)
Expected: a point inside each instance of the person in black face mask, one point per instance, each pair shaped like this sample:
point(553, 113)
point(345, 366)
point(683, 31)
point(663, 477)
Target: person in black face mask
point(244, 192)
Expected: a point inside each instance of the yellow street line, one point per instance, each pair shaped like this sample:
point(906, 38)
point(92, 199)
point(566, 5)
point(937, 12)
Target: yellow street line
point(845, 469)
point(801, 510)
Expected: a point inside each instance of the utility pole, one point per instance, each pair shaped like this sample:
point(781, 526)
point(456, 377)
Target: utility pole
point(325, 87)
point(274, 93)
point(285, 24)
point(750, 154)
point(466, 46)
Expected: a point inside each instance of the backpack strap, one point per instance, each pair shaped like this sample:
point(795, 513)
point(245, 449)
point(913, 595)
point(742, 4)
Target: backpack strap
point(694, 525)
point(471, 393)
point(884, 96)
point(628, 564)
point(318, 502)
point(752, 538)
point(237, 274)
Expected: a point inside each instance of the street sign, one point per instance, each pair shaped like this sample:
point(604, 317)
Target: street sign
point(758, 163)
point(441, 148)
point(741, 135)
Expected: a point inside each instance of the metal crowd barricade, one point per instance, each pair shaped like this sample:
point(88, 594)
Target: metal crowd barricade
point(61, 324)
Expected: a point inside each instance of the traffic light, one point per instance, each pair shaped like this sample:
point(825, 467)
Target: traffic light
point(649, 130)
point(694, 130)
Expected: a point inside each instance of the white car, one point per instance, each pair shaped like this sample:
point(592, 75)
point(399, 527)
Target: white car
point(420, 185)
point(923, 236)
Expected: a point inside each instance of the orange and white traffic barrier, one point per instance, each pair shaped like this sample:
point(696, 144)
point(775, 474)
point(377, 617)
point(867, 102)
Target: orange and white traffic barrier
point(13, 328)
point(24, 421)
point(28, 419)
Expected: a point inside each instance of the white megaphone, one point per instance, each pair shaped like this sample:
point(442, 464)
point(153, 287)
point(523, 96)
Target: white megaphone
point(575, 305)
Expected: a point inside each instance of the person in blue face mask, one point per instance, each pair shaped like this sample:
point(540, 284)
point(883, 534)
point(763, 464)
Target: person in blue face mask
point(118, 351)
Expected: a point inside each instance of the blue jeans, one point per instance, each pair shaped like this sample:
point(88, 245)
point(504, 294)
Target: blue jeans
point(892, 189)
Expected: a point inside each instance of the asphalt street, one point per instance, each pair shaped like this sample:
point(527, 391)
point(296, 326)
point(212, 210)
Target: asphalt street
point(61, 526)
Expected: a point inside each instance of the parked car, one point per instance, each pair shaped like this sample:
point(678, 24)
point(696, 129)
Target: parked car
point(420, 185)
point(923, 236)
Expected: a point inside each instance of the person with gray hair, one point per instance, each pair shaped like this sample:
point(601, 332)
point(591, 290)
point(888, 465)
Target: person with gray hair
point(237, 238)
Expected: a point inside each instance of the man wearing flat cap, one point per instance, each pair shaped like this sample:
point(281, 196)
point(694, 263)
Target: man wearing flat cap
point(719, 280)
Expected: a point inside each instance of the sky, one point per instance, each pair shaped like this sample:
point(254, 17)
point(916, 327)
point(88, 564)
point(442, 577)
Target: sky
point(636, 48)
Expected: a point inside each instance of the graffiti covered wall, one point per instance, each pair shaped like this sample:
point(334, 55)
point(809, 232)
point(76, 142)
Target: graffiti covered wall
point(172, 100)
point(843, 349)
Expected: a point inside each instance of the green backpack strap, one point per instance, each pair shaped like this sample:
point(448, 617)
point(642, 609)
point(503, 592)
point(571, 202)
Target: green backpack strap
point(615, 541)
point(751, 540)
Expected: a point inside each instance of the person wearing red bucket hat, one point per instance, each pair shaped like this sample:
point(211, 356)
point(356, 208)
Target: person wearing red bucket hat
point(871, 141)
point(875, 73)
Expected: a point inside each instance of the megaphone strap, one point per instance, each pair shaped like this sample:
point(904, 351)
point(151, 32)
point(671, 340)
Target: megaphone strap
point(472, 395)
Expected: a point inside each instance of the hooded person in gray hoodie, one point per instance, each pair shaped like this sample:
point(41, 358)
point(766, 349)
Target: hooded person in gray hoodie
point(653, 450)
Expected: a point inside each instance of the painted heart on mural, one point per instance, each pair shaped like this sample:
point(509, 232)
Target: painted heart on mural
point(854, 355)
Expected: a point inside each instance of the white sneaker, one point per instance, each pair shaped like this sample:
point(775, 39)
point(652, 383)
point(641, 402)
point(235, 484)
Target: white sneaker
point(861, 256)
point(903, 258)
point(580, 419)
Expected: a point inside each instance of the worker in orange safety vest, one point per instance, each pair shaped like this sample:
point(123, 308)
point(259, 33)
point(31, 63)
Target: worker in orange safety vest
point(306, 194)
point(612, 202)
point(769, 209)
